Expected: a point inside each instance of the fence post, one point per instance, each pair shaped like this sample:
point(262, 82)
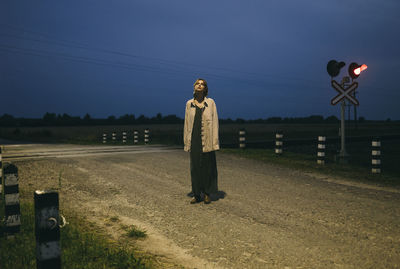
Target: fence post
point(321, 150)
point(242, 138)
point(11, 197)
point(376, 156)
point(124, 137)
point(1, 175)
point(47, 230)
point(104, 138)
point(114, 137)
point(135, 137)
point(146, 136)
point(279, 142)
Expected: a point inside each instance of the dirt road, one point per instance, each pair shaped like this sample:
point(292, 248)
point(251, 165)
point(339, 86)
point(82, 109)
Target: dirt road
point(270, 217)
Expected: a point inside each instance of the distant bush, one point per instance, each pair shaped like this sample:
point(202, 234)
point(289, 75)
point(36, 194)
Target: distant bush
point(53, 119)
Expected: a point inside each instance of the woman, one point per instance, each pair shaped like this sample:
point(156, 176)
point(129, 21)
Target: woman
point(200, 135)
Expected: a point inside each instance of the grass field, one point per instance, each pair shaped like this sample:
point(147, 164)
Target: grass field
point(84, 245)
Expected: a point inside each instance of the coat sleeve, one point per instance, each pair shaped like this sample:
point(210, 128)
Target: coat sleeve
point(185, 129)
point(215, 142)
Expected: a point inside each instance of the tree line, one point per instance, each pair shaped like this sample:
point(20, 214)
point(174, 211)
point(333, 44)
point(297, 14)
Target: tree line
point(53, 119)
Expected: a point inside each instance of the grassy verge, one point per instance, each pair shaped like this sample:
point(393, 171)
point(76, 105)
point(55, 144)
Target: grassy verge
point(307, 163)
point(83, 245)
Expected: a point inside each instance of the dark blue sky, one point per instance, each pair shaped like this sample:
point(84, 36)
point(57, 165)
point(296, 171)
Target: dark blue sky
point(260, 58)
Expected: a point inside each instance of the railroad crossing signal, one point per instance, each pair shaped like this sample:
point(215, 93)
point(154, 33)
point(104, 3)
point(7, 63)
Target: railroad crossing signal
point(355, 69)
point(334, 67)
point(344, 93)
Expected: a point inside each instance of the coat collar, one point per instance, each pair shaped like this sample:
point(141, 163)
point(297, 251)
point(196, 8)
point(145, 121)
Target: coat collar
point(205, 102)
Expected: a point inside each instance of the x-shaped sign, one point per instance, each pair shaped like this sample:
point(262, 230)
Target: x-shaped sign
point(344, 93)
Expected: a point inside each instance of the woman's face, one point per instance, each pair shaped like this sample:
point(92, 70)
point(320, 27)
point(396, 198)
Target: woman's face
point(199, 86)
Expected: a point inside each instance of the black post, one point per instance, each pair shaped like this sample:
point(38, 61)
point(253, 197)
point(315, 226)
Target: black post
point(47, 230)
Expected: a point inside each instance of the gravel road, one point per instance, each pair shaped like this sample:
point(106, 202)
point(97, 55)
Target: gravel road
point(269, 217)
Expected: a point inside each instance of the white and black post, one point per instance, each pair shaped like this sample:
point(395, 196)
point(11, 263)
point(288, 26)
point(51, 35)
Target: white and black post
point(321, 150)
point(1, 176)
point(242, 138)
point(135, 137)
point(376, 156)
point(146, 136)
point(11, 198)
point(114, 137)
point(47, 230)
point(279, 143)
point(124, 137)
point(104, 138)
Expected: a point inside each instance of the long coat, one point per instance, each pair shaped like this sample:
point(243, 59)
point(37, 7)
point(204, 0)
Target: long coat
point(209, 125)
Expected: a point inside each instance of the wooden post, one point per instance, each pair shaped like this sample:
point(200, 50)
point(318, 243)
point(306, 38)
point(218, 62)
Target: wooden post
point(47, 230)
point(114, 137)
point(11, 197)
point(104, 138)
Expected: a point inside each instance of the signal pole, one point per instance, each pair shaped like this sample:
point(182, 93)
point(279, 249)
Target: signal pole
point(355, 112)
point(333, 67)
point(343, 156)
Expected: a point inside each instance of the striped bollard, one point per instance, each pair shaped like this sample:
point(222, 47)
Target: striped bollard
point(104, 138)
point(114, 137)
point(321, 150)
point(124, 137)
point(11, 197)
point(1, 176)
point(135, 137)
point(279, 143)
point(146, 136)
point(242, 138)
point(376, 156)
point(47, 230)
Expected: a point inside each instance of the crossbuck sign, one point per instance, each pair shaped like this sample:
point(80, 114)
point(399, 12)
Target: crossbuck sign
point(344, 93)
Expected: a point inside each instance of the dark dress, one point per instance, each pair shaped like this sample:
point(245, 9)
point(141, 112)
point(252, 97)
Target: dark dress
point(203, 166)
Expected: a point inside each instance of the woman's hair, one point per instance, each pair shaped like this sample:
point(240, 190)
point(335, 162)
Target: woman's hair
point(205, 87)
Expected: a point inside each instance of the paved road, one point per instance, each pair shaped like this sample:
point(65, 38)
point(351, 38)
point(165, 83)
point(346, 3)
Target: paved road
point(269, 217)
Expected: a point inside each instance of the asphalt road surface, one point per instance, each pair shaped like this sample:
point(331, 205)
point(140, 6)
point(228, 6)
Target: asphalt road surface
point(265, 216)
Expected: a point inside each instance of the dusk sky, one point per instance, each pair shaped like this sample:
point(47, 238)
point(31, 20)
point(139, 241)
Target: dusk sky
point(260, 58)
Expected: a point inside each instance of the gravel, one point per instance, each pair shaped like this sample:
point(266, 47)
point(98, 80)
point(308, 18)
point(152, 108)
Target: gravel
point(266, 216)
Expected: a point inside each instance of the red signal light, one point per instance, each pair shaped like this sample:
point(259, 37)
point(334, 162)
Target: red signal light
point(358, 70)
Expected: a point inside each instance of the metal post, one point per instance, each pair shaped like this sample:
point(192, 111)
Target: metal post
point(355, 112)
point(11, 197)
point(242, 138)
point(321, 150)
point(376, 156)
point(47, 230)
point(279, 143)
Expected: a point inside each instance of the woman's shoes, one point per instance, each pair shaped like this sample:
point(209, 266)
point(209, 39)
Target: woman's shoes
point(195, 200)
point(207, 199)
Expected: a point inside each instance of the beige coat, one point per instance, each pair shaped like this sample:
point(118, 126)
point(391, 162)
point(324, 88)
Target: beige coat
point(209, 125)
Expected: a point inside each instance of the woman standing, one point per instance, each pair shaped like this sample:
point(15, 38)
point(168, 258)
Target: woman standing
point(200, 135)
